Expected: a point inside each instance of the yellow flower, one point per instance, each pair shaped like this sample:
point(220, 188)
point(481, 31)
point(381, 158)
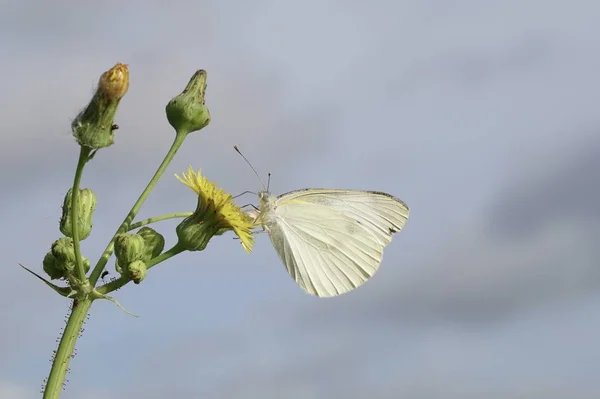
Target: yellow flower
point(216, 212)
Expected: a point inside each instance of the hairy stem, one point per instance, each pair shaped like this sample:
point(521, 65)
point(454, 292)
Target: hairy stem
point(64, 354)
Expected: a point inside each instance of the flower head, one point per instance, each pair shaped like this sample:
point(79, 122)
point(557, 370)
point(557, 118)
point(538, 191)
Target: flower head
point(216, 213)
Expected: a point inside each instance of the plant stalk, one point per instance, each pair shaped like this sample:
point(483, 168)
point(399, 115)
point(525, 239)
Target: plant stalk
point(84, 153)
point(124, 227)
point(64, 354)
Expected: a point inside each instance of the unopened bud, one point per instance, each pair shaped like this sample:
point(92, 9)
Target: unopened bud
point(52, 268)
point(60, 261)
point(87, 205)
point(187, 112)
point(136, 270)
point(94, 126)
point(63, 250)
point(128, 248)
point(154, 243)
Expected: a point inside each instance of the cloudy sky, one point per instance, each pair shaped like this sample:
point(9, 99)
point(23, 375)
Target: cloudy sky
point(481, 115)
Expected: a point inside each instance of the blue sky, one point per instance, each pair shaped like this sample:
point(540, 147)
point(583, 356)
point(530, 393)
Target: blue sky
point(481, 115)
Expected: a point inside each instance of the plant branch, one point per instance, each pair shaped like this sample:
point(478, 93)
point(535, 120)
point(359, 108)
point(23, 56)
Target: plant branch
point(84, 153)
point(121, 281)
point(124, 227)
point(160, 218)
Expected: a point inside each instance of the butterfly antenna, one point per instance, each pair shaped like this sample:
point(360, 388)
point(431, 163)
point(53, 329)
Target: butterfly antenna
point(252, 167)
point(245, 192)
point(269, 181)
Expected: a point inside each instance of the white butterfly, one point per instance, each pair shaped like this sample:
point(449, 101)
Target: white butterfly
point(330, 241)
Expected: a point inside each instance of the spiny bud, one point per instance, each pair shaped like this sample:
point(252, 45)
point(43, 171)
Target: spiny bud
point(94, 126)
point(136, 270)
point(154, 242)
point(87, 205)
point(128, 248)
point(187, 112)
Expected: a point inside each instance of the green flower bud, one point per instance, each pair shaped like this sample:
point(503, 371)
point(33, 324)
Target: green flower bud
point(87, 205)
point(187, 112)
point(136, 270)
point(63, 250)
point(129, 248)
point(94, 126)
point(60, 261)
point(154, 242)
point(52, 268)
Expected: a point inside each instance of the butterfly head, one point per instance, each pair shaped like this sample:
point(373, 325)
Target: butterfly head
point(263, 195)
point(266, 199)
point(266, 207)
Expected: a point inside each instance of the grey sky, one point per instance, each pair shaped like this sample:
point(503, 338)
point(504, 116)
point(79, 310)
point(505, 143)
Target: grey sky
point(481, 115)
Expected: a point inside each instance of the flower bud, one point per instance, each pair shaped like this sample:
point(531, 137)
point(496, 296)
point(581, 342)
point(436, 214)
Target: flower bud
point(94, 126)
point(61, 261)
point(154, 242)
point(187, 112)
point(63, 250)
point(136, 270)
point(128, 248)
point(87, 205)
point(52, 268)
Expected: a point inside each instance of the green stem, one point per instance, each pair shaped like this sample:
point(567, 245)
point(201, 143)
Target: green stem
point(63, 355)
point(160, 218)
point(179, 139)
point(121, 281)
point(175, 250)
point(84, 153)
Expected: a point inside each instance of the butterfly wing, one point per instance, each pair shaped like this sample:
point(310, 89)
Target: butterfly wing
point(331, 241)
point(382, 213)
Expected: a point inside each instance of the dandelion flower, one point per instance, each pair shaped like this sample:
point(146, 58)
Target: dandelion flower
point(215, 213)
